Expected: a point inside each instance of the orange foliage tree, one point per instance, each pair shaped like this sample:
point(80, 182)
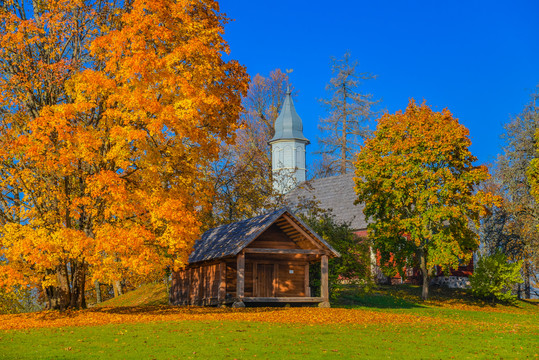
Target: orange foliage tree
point(416, 177)
point(110, 115)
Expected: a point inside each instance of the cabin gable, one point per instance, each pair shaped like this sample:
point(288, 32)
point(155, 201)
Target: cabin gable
point(276, 238)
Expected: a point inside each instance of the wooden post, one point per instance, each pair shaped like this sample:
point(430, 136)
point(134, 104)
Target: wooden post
point(324, 281)
point(189, 285)
point(307, 287)
point(240, 284)
point(255, 279)
point(221, 296)
point(275, 291)
point(241, 277)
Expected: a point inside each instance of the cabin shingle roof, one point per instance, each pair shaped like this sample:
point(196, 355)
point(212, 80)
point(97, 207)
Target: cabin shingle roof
point(230, 239)
point(334, 193)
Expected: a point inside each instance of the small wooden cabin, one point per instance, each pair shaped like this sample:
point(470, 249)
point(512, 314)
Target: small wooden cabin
point(264, 259)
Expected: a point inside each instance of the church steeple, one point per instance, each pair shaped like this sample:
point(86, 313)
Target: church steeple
point(288, 124)
point(288, 148)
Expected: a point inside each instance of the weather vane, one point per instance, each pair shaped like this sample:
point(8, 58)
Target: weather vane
point(288, 71)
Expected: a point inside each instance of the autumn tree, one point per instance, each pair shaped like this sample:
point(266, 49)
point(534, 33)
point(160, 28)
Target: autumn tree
point(417, 179)
point(110, 115)
point(346, 127)
point(323, 167)
point(500, 229)
point(503, 242)
point(242, 177)
point(519, 171)
point(512, 227)
point(264, 100)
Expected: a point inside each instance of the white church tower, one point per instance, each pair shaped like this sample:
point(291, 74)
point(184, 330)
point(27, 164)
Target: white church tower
point(288, 148)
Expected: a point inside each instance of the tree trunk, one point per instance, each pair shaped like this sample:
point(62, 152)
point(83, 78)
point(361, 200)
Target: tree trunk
point(62, 293)
point(117, 285)
point(425, 273)
point(53, 295)
point(527, 285)
point(78, 300)
point(69, 291)
point(97, 292)
point(344, 146)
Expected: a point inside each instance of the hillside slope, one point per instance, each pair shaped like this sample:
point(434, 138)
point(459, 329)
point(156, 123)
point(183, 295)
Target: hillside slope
point(145, 295)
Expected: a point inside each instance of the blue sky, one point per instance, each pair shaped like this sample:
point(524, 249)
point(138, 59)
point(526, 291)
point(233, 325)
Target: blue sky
point(479, 59)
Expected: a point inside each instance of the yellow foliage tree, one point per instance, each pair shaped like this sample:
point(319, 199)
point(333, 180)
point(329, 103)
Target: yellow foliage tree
point(110, 116)
point(417, 179)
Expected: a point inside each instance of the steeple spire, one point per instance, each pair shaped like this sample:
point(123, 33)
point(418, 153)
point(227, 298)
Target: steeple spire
point(288, 148)
point(288, 124)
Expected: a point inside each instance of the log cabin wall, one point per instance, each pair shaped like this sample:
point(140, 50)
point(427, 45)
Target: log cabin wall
point(231, 279)
point(197, 285)
point(291, 280)
point(273, 276)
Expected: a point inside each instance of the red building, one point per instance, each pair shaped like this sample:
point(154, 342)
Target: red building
point(337, 194)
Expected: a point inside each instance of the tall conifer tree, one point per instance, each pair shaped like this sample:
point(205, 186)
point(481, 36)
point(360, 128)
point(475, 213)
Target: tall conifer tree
point(346, 127)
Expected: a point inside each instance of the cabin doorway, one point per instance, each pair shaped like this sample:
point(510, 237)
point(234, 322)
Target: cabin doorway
point(264, 280)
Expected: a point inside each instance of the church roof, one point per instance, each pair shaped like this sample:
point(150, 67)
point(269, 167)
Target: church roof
point(334, 193)
point(230, 239)
point(288, 125)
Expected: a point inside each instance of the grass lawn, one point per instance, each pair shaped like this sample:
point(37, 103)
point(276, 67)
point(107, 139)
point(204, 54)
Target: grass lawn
point(382, 325)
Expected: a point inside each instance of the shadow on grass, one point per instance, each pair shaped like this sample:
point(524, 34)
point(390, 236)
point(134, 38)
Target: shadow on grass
point(405, 296)
point(533, 302)
point(378, 301)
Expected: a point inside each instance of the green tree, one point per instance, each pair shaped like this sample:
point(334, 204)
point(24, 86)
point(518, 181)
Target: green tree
point(354, 265)
point(346, 127)
point(416, 177)
point(494, 277)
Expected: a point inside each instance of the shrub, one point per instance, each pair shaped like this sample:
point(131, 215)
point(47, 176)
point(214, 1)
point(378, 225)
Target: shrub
point(494, 277)
point(19, 299)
